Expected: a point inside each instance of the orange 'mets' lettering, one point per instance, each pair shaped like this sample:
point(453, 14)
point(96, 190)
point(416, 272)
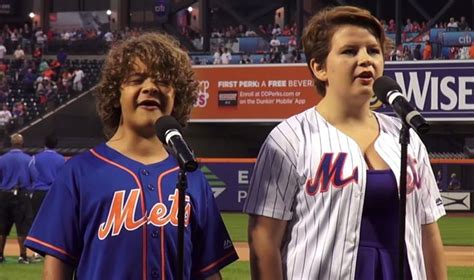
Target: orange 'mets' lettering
point(121, 215)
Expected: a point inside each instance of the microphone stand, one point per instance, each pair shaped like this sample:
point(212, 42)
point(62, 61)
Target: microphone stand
point(181, 185)
point(404, 141)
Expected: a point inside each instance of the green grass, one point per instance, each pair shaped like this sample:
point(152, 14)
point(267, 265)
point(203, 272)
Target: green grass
point(236, 224)
point(454, 230)
point(460, 273)
point(13, 233)
point(12, 270)
point(235, 271)
point(457, 230)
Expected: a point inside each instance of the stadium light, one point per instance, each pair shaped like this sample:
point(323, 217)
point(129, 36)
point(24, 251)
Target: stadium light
point(31, 15)
point(190, 9)
point(108, 12)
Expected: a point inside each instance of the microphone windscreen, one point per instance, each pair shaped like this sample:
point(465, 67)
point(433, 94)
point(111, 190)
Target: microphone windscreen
point(165, 123)
point(383, 85)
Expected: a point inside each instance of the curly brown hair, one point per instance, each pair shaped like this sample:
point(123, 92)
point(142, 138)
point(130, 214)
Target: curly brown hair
point(164, 60)
point(318, 33)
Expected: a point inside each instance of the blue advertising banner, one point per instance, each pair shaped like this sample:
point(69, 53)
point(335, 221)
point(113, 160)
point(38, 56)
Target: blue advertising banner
point(230, 180)
point(257, 44)
point(441, 90)
point(436, 35)
point(457, 38)
point(229, 183)
point(162, 8)
point(6, 7)
point(252, 44)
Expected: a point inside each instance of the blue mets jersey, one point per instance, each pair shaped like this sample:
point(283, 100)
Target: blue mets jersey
point(114, 218)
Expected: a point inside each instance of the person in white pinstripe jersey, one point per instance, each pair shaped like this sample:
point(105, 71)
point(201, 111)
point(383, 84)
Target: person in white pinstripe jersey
point(323, 198)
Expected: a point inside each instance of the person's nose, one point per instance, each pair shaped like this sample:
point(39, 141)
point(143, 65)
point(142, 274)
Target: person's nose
point(365, 59)
point(149, 87)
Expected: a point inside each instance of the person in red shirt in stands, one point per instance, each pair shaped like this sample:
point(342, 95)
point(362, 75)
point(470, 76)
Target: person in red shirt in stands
point(3, 67)
point(37, 54)
point(392, 27)
point(471, 51)
point(427, 51)
point(49, 73)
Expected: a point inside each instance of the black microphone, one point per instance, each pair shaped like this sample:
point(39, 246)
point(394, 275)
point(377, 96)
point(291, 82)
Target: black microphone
point(169, 133)
point(389, 92)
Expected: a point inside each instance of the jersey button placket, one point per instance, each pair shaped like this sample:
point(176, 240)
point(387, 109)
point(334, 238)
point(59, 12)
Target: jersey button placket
point(150, 187)
point(155, 234)
point(155, 274)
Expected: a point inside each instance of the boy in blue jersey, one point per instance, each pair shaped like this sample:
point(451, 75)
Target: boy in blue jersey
point(112, 212)
point(16, 175)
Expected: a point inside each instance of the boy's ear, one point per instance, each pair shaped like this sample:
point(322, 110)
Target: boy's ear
point(319, 70)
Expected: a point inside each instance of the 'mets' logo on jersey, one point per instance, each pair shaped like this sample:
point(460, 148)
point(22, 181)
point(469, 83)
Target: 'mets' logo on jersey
point(122, 214)
point(413, 178)
point(330, 173)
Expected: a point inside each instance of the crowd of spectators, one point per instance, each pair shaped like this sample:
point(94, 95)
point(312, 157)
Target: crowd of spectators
point(34, 82)
point(406, 53)
point(36, 41)
point(44, 81)
point(242, 31)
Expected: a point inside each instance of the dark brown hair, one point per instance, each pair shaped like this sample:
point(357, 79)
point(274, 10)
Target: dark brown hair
point(318, 33)
point(164, 60)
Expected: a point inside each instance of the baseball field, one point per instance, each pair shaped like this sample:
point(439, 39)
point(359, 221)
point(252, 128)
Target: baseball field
point(457, 231)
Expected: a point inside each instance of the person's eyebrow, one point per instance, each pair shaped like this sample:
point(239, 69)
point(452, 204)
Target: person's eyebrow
point(356, 45)
point(134, 74)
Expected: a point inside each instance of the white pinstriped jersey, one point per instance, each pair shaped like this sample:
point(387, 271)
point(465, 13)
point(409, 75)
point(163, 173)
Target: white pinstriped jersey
point(314, 176)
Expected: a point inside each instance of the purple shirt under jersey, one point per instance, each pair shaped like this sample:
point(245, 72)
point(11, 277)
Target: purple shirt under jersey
point(378, 247)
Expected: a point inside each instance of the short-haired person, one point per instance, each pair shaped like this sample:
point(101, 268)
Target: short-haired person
point(323, 199)
point(112, 212)
point(16, 175)
point(47, 163)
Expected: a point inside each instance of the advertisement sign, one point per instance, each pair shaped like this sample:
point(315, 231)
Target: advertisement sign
point(457, 201)
point(457, 38)
point(6, 7)
point(253, 93)
point(230, 178)
point(162, 9)
point(252, 44)
point(441, 90)
point(436, 35)
point(229, 182)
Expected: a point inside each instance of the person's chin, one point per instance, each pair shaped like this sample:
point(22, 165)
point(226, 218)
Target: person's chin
point(145, 128)
point(364, 91)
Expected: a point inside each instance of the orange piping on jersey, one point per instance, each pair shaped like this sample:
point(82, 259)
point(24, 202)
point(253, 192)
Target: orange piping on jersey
point(50, 246)
point(253, 160)
point(144, 232)
point(452, 161)
point(162, 229)
point(214, 264)
point(227, 160)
